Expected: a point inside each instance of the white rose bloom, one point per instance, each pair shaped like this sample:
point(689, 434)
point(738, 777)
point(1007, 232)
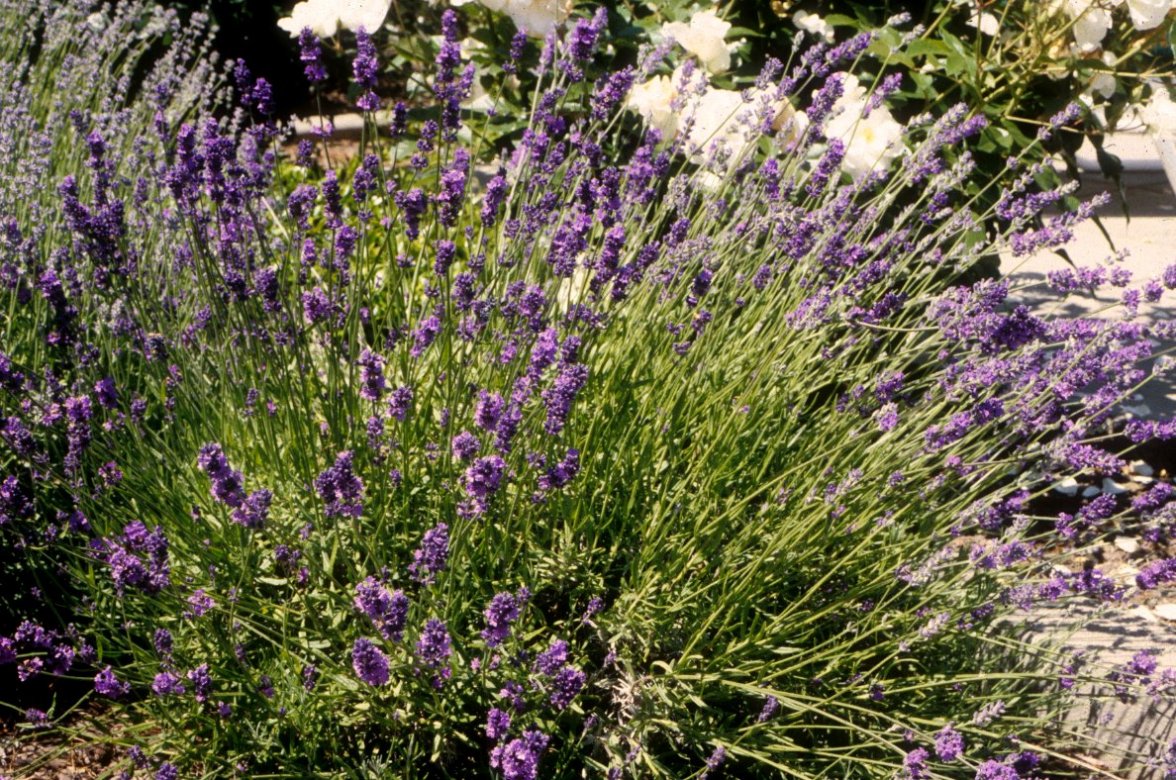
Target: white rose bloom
point(724, 123)
point(813, 24)
point(703, 37)
point(652, 101)
point(324, 17)
point(717, 118)
point(714, 122)
point(1091, 24)
point(985, 23)
point(871, 142)
point(1148, 14)
point(1103, 84)
point(537, 17)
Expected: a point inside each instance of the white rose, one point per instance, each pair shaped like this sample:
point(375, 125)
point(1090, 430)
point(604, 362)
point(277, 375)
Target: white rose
point(813, 24)
point(324, 17)
point(714, 122)
point(871, 142)
point(725, 123)
point(1148, 14)
point(1091, 24)
point(1103, 84)
point(703, 37)
point(652, 100)
point(322, 20)
point(718, 118)
point(537, 17)
point(985, 23)
point(368, 14)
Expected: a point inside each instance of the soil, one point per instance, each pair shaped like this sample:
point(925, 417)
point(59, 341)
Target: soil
point(59, 753)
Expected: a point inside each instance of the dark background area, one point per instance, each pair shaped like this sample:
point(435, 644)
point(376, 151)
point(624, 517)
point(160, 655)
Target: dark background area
point(248, 29)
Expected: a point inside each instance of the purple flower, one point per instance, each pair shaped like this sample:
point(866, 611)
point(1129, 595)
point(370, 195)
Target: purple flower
point(769, 710)
point(583, 37)
point(512, 692)
point(412, 204)
point(138, 559)
point(994, 770)
point(311, 53)
point(561, 394)
point(167, 771)
point(482, 480)
point(424, 335)
point(366, 68)
point(1156, 573)
point(502, 611)
point(1142, 664)
point(106, 392)
point(29, 668)
point(163, 642)
point(497, 724)
point(199, 603)
point(201, 682)
point(340, 488)
point(915, 764)
point(316, 306)
point(369, 662)
point(519, 759)
point(309, 677)
point(488, 410)
point(434, 645)
point(551, 660)
point(255, 510)
point(107, 684)
point(565, 685)
point(715, 760)
point(228, 488)
point(949, 744)
point(226, 483)
point(15, 501)
point(561, 473)
point(371, 376)
point(429, 559)
point(465, 445)
point(449, 200)
point(167, 684)
point(399, 403)
point(496, 191)
point(387, 610)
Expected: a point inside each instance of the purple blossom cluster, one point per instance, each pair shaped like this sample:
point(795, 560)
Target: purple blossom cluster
point(387, 610)
point(138, 558)
point(370, 663)
point(340, 488)
point(430, 558)
point(250, 511)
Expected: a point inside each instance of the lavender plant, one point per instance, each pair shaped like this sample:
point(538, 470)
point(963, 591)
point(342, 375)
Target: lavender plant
point(638, 456)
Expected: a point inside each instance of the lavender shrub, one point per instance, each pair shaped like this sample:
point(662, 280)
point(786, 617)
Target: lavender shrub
point(650, 456)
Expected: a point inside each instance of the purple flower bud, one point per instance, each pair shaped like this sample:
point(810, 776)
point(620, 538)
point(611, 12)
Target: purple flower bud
point(370, 663)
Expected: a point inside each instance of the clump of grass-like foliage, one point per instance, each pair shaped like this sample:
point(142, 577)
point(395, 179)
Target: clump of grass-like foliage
point(631, 457)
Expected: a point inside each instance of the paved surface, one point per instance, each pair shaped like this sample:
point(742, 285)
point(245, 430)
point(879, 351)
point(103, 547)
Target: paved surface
point(1147, 232)
point(1110, 637)
point(1135, 730)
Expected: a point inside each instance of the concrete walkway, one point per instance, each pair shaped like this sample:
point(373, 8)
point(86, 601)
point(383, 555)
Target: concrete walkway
point(1147, 232)
point(1110, 637)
